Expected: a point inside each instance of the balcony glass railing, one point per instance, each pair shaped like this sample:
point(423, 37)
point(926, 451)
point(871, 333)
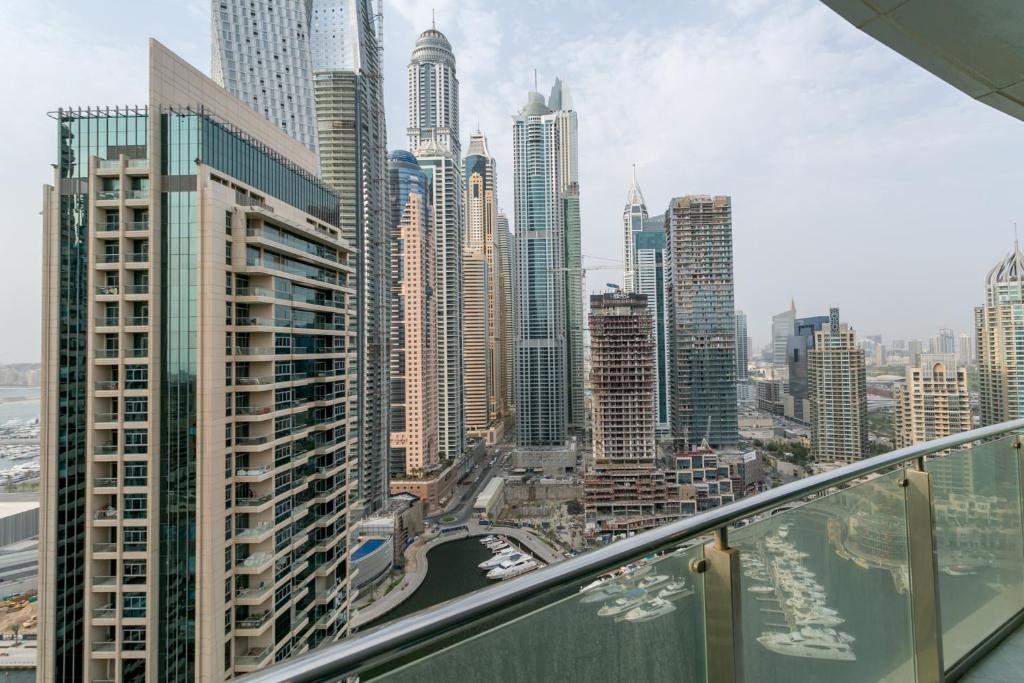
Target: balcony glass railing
point(904, 566)
point(108, 194)
point(136, 289)
point(137, 225)
point(138, 163)
point(137, 194)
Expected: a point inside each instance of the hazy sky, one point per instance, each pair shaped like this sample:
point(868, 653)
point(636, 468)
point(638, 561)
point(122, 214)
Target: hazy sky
point(857, 178)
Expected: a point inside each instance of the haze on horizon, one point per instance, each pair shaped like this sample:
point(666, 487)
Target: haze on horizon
point(858, 179)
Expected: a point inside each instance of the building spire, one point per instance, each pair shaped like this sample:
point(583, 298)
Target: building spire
point(535, 81)
point(433, 23)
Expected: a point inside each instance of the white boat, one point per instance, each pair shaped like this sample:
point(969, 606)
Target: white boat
point(501, 557)
point(819, 633)
point(497, 545)
point(488, 539)
point(649, 582)
point(761, 589)
point(628, 601)
point(507, 569)
point(650, 610)
point(675, 590)
point(795, 645)
point(601, 594)
point(813, 619)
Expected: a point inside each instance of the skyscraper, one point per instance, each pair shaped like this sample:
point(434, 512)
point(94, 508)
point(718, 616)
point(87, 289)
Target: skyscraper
point(933, 403)
point(566, 132)
point(540, 346)
point(633, 217)
point(837, 394)
point(649, 279)
point(483, 241)
point(434, 94)
point(505, 251)
point(197, 424)
point(742, 350)
point(446, 181)
point(413, 352)
point(347, 88)
point(478, 380)
point(701, 319)
point(999, 332)
point(799, 344)
point(782, 328)
point(261, 55)
point(624, 480)
point(964, 349)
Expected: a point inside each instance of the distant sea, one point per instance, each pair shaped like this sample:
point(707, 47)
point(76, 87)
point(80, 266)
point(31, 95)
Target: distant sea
point(13, 408)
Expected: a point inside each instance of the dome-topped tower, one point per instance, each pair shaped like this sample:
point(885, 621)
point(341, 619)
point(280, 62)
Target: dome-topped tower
point(1010, 269)
point(434, 94)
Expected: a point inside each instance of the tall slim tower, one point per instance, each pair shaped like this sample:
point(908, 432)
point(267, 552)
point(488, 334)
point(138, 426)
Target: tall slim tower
point(261, 55)
point(782, 328)
point(434, 137)
point(434, 94)
point(567, 143)
point(742, 350)
point(413, 352)
point(999, 331)
point(198, 424)
point(348, 92)
point(701, 319)
point(446, 181)
point(837, 391)
point(649, 279)
point(633, 217)
point(505, 252)
point(542, 396)
point(482, 240)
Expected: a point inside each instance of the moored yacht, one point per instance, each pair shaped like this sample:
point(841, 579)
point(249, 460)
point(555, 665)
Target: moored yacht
point(651, 609)
point(795, 645)
point(508, 568)
point(502, 556)
point(628, 601)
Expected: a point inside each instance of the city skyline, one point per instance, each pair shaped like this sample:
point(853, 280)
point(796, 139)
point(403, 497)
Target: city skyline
point(937, 137)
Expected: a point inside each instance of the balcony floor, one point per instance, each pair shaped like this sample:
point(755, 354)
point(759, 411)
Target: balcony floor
point(1005, 664)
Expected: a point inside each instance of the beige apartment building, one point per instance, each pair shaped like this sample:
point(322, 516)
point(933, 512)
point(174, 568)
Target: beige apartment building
point(837, 394)
point(933, 402)
point(413, 368)
point(198, 411)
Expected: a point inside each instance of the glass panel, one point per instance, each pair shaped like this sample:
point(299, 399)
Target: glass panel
point(645, 625)
point(825, 589)
point(979, 536)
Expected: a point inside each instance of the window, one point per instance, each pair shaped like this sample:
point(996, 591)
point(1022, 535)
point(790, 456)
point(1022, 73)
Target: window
point(135, 506)
point(136, 441)
point(133, 638)
point(135, 539)
point(134, 605)
point(135, 474)
point(136, 376)
point(136, 408)
point(134, 571)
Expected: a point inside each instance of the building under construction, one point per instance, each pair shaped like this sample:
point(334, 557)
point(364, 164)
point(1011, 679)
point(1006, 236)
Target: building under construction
point(624, 481)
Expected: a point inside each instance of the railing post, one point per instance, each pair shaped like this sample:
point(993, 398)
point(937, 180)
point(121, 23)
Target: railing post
point(924, 575)
point(722, 616)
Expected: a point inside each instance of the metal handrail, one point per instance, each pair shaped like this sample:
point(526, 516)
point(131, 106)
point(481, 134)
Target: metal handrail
point(332, 661)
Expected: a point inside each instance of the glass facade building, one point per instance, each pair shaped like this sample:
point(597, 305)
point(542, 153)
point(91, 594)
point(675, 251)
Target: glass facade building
point(649, 280)
point(701, 311)
point(197, 421)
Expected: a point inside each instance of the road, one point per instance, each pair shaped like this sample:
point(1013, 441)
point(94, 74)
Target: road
point(485, 458)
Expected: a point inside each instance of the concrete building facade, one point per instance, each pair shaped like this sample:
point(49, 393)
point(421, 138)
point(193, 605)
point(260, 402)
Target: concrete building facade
point(413, 350)
point(933, 402)
point(197, 421)
point(837, 390)
point(999, 334)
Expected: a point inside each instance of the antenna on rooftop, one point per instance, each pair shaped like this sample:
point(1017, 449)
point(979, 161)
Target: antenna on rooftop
point(433, 23)
point(535, 80)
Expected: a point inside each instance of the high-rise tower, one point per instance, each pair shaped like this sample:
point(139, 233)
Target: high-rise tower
point(413, 352)
point(837, 394)
point(742, 349)
point(349, 99)
point(434, 138)
point(701, 311)
point(782, 329)
point(261, 55)
point(999, 330)
point(505, 251)
point(566, 130)
point(434, 94)
point(933, 402)
point(649, 280)
point(486, 402)
point(633, 217)
point(540, 342)
point(446, 182)
point(198, 424)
